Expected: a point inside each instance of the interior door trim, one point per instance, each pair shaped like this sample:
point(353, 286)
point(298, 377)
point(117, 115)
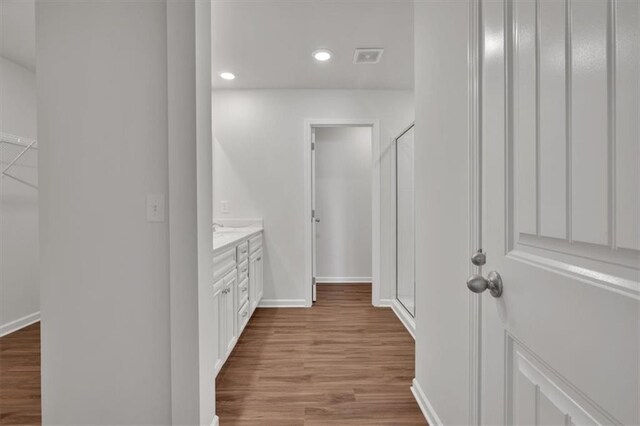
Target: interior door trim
point(475, 203)
point(376, 258)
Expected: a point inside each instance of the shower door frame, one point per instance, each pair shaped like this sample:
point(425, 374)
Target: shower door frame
point(398, 307)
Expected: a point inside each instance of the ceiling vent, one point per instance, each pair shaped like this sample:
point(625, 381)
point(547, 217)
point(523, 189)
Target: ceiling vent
point(367, 56)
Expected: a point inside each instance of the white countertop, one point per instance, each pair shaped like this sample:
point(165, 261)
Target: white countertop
point(228, 237)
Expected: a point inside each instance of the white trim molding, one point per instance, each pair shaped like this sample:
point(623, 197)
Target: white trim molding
point(475, 202)
point(424, 404)
point(18, 324)
point(343, 280)
point(216, 421)
point(384, 303)
point(405, 318)
point(309, 124)
point(283, 303)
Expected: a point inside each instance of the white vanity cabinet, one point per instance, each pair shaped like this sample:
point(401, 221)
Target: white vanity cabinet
point(224, 293)
point(237, 289)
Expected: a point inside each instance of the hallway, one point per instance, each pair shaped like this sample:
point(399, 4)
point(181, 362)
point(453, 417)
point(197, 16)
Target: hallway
point(340, 362)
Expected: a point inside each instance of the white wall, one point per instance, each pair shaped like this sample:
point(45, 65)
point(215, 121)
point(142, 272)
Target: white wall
point(19, 289)
point(343, 204)
point(259, 168)
point(442, 207)
point(116, 121)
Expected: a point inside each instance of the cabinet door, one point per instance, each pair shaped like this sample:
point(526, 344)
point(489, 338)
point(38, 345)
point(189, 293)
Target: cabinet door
point(218, 299)
point(230, 314)
point(253, 280)
point(260, 280)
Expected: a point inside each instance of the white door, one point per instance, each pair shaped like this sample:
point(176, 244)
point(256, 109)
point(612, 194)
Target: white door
point(314, 219)
point(560, 212)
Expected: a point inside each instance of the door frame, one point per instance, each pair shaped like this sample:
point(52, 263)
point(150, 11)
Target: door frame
point(398, 307)
point(475, 57)
point(374, 124)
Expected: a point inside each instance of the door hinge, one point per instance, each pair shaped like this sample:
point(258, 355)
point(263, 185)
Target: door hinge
point(313, 214)
point(313, 146)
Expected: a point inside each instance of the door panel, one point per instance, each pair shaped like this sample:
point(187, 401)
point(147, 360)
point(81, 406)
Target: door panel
point(561, 346)
point(627, 173)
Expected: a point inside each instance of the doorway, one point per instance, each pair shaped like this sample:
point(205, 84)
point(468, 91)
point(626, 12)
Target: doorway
point(342, 205)
point(335, 185)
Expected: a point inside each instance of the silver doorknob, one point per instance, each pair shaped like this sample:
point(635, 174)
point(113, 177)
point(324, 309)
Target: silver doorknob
point(493, 282)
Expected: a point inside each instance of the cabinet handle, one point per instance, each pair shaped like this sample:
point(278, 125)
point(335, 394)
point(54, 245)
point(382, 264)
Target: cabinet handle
point(244, 314)
point(244, 289)
point(260, 258)
point(244, 270)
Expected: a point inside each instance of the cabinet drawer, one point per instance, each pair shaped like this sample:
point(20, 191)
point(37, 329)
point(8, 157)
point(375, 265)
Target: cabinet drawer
point(223, 263)
point(242, 251)
point(243, 270)
point(243, 316)
point(255, 244)
point(243, 292)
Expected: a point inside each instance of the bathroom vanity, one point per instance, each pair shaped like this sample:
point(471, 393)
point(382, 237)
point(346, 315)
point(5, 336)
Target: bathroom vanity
point(237, 283)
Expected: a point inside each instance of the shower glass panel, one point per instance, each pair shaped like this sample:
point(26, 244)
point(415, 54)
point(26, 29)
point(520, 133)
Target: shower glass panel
point(405, 223)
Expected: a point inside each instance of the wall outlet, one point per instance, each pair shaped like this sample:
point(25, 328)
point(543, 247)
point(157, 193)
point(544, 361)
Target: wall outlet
point(155, 207)
point(224, 206)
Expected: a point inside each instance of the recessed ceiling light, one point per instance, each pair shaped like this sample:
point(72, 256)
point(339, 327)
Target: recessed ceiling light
point(322, 55)
point(227, 75)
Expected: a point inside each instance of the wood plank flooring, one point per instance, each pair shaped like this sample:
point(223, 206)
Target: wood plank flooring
point(340, 362)
point(20, 377)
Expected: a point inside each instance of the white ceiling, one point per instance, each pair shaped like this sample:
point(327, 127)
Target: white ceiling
point(268, 43)
point(18, 32)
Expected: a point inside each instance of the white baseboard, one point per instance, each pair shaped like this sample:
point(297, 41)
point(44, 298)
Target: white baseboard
point(16, 325)
point(343, 280)
point(282, 303)
point(216, 421)
point(405, 318)
point(384, 303)
point(425, 405)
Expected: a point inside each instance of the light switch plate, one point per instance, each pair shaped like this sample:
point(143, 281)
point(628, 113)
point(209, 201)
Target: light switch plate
point(155, 207)
point(224, 206)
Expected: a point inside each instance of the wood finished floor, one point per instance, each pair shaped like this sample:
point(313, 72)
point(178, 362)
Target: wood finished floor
point(20, 377)
point(340, 362)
